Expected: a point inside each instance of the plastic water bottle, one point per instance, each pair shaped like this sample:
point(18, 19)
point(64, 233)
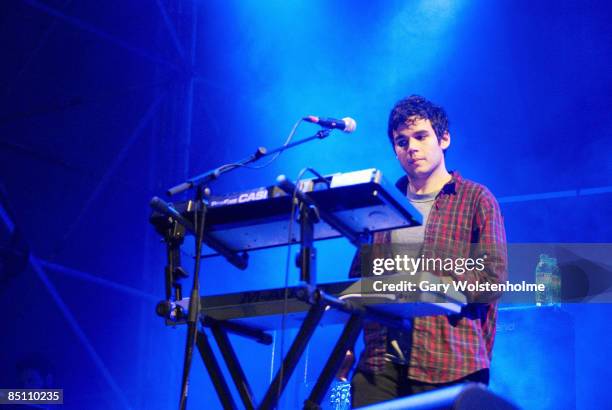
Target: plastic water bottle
point(340, 396)
point(547, 274)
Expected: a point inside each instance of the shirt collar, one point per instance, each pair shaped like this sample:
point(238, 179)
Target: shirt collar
point(449, 188)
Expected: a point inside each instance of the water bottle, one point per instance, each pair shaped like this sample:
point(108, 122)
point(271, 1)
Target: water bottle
point(547, 274)
point(340, 396)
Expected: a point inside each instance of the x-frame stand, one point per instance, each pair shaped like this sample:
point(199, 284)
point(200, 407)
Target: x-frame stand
point(319, 301)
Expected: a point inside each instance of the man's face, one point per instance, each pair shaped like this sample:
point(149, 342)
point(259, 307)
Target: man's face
point(417, 148)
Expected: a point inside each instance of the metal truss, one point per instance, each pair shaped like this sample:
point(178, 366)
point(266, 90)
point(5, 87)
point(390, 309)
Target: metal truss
point(186, 59)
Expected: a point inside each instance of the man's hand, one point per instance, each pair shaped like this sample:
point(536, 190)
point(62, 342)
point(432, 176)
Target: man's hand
point(346, 366)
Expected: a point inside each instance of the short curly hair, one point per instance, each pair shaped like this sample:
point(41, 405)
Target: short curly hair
point(414, 107)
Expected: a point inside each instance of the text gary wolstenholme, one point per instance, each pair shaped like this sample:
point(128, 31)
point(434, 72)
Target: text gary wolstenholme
point(399, 276)
point(457, 286)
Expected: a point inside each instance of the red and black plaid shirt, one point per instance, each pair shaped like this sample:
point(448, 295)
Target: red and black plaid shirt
point(465, 221)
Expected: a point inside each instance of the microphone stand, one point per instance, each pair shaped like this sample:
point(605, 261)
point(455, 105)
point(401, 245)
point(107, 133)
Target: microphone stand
point(200, 182)
point(261, 152)
point(194, 299)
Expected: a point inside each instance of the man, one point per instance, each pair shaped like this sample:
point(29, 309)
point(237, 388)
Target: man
point(461, 219)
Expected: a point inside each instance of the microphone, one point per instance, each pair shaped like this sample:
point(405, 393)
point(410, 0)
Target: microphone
point(346, 124)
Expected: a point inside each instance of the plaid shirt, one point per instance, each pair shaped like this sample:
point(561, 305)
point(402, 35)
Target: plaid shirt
point(465, 221)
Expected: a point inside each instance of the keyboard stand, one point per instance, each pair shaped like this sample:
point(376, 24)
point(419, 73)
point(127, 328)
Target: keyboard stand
point(310, 213)
point(319, 301)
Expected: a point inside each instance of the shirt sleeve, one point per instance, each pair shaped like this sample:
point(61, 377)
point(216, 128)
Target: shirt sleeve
point(489, 245)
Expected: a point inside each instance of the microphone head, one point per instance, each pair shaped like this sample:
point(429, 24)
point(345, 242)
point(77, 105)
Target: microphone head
point(350, 125)
point(311, 118)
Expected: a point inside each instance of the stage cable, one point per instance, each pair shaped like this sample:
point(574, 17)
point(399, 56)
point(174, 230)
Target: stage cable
point(287, 268)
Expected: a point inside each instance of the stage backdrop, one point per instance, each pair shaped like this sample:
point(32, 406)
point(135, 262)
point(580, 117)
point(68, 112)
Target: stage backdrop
point(106, 104)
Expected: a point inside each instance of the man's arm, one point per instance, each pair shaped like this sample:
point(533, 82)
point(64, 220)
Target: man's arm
point(488, 243)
